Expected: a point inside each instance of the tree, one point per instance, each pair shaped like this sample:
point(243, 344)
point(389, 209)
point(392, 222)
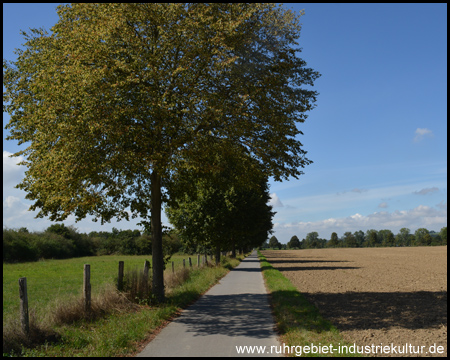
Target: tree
point(443, 234)
point(372, 238)
point(118, 93)
point(334, 241)
point(220, 211)
point(403, 237)
point(359, 238)
point(422, 237)
point(386, 237)
point(349, 240)
point(294, 243)
point(59, 229)
point(311, 240)
point(274, 243)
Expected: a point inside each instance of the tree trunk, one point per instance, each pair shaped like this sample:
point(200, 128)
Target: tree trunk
point(233, 248)
point(157, 251)
point(217, 255)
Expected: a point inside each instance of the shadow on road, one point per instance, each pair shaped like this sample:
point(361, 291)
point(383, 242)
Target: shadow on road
point(231, 315)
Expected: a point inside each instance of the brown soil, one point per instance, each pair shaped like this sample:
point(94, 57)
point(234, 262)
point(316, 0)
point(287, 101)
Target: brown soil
point(375, 295)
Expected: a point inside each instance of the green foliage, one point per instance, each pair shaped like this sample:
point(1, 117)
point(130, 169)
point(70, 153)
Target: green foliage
point(120, 97)
point(443, 235)
point(334, 241)
point(313, 241)
point(274, 243)
point(60, 242)
point(374, 238)
point(220, 211)
point(349, 240)
point(18, 246)
point(403, 238)
point(294, 243)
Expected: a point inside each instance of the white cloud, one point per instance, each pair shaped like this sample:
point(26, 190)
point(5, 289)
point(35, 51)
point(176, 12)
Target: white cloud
point(421, 216)
point(383, 205)
point(421, 133)
point(12, 173)
point(15, 212)
point(275, 201)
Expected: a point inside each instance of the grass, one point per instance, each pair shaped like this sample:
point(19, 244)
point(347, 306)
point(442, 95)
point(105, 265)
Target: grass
point(298, 321)
point(54, 287)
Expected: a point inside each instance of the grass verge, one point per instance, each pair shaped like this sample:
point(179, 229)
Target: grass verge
point(121, 332)
point(298, 321)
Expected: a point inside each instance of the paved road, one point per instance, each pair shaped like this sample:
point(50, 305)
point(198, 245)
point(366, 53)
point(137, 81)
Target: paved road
point(235, 312)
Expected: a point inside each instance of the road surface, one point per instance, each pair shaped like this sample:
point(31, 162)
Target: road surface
point(232, 314)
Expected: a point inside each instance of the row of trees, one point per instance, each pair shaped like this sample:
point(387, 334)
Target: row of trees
point(371, 238)
point(61, 242)
point(123, 100)
point(221, 211)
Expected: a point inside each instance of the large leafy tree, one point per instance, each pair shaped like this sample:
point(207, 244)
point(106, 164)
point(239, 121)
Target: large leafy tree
point(110, 101)
point(223, 210)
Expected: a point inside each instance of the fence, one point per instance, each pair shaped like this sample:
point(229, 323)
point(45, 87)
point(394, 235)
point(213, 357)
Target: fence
point(86, 291)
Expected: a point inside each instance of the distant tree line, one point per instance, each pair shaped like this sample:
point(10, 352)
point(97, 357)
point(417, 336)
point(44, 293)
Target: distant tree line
point(61, 242)
point(371, 238)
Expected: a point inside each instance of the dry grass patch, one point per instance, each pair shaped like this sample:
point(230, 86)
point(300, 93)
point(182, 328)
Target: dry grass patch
point(14, 339)
point(108, 301)
point(172, 280)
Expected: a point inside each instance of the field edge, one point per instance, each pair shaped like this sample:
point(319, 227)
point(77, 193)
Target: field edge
point(299, 323)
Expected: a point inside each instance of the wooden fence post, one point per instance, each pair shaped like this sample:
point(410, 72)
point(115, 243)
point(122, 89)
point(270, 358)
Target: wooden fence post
point(173, 267)
point(120, 278)
point(190, 263)
point(145, 278)
point(24, 317)
point(87, 287)
point(184, 263)
point(198, 260)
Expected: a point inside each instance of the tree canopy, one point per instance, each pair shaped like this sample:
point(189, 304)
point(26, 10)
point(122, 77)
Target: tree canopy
point(117, 94)
point(222, 211)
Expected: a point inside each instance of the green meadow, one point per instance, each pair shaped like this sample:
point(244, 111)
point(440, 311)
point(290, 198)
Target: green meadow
point(58, 280)
point(52, 283)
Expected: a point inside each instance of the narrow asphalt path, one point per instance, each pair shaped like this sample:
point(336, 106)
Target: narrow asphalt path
point(233, 313)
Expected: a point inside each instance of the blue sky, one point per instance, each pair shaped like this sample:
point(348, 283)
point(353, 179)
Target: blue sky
point(378, 136)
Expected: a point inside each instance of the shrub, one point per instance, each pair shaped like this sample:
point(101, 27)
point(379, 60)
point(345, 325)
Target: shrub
point(18, 246)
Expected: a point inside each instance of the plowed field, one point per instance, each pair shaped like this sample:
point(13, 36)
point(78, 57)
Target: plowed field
point(375, 295)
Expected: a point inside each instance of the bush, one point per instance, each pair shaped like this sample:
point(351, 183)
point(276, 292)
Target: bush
point(18, 246)
point(53, 246)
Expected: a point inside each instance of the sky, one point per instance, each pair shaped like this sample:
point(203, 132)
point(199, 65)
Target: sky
point(377, 137)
